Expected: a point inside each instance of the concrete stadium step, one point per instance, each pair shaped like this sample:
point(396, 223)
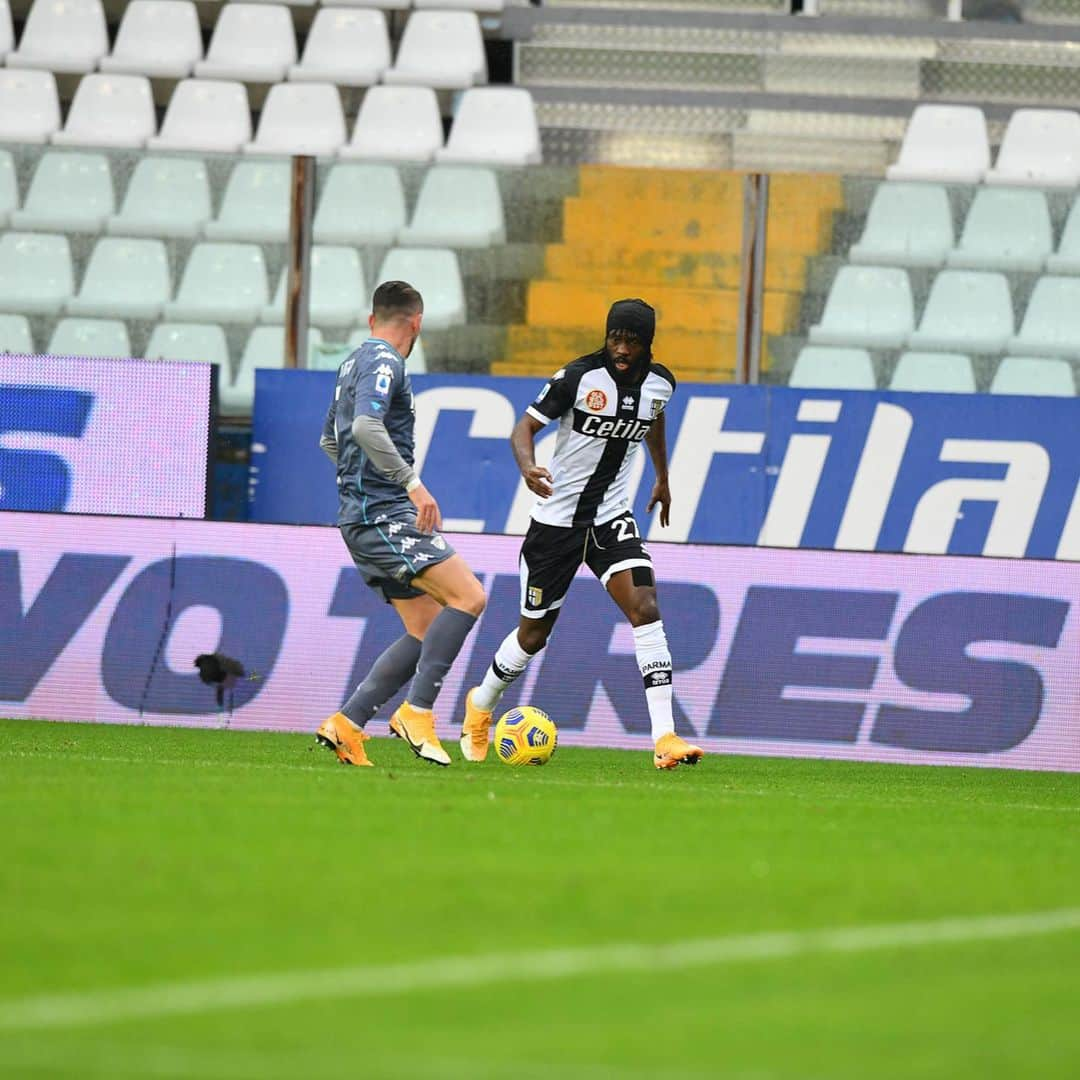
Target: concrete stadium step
point(785, 271)
point(570, 304)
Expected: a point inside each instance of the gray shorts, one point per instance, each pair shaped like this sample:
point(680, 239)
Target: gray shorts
point(390, 554)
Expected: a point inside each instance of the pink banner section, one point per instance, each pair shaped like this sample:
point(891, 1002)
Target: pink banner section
point(857, 656)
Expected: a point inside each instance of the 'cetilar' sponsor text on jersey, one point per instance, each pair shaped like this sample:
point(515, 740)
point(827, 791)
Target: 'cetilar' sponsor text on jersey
point(601, 424)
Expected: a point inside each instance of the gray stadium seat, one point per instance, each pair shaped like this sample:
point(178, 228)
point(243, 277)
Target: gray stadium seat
point(36, 275)
point(15, 336)
point(968, 311)
point(221, 283)
point(89, 337)
point(936, 373)
point(1066, 260)
point(190, 341)
point(265, 348)
point(1034, 375)
point(362, 203)
point(821, 367)
point(908, 225)
point(1006, 229)
point(339, 294)
point(435, 272)
point(256, 203)
point(1051, 325)
point(69, 192)
point(869, 306)
point(126, 278)
point(457, 207)
point(166, 196)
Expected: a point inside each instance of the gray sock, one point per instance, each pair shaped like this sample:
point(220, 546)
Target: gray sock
point(387, 676)
point(442, 643)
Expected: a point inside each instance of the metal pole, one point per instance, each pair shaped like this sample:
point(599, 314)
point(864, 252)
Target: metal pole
point(296, 288)
point(752, 277)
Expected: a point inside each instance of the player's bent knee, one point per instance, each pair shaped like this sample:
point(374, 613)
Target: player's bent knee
point(645, 611)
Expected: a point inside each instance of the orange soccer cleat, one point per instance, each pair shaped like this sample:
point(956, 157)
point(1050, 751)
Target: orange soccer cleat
point(417, 728)
point(474, 731)
point(338, 733)
point(672, 750)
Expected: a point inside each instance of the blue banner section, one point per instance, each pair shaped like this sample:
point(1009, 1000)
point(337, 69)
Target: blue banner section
point(773, 466)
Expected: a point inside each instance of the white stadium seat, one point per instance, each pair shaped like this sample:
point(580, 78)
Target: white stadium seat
point(166, 196)
point(15, 335)
point(1051, 324)
point(29, 106)
point(338, 296)
point(255, 205)
point(821, 367)
point(197, 342)
point(9, 187)
point(300, 118)
point(221, 283)
point(935, 373)
point(458, 206)
point(947, 143)
point(89, 337)
point(1034, 375)
point(442, 49)
point(1006, 229)
point(362, 203)
point(396, 123)
point(70, 192)
point(109, 110)
point(127, 278)
point(345, 46)
point(7, 31)
point(967, 311)
point(160, 38)
point(251, 43)
point(867, 306)
point(436, 274)
point(63, 36)
point(908, 225)
point(1041, 147)
point(1066, 260)
point(36, 275)
point(494, 125)
point(205, 115)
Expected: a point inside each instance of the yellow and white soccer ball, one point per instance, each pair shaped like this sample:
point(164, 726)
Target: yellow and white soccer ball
point(525, 736)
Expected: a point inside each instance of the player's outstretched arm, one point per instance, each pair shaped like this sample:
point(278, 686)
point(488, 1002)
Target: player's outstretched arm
point(523, 443)
point(656, 441)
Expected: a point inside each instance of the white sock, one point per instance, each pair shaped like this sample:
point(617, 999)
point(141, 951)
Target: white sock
point(510, 662)
point(654, 663)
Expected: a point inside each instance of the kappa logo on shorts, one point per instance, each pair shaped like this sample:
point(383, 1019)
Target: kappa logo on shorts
point(595, 400)
point(401, 573)
point(408, 543)
point(395, 528)
point(656, 407)
point(535, 596)
point(422, 558)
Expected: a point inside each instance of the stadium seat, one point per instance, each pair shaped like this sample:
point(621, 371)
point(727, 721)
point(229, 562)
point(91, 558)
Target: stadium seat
point(190, 341)
point(968, 311)
point(338, 295)
point(221, 283)
point(166, 196)
point(205, 115)
point(15, 335)
point(300, 118)
point(109, 110)
point(869, 306)
point(908, 225)
point(294, 3)
point(251, 43)
point(160, 38)
point(396, 123)
point(435, 272)
point(1005, 229)
point(126, 278)
point(1051, 325)
point(833, 369)
point(935, 373)
point(7, 31)
point(1034, 375)
point(382, 5)
point(494, 125)
point(458, 5)
point(347, 47)
point(265, 348)
point(70, 192)
point(1041, 147)
point(29, 106)
point(947, 143)
point(256, 203)
point(89, 337)
point(35, 273)
point(1066, 260)
point(441, 49)
point(416, 361)
point(62, 36)
point(360, 204)
point(457, 207)
point(9, 187)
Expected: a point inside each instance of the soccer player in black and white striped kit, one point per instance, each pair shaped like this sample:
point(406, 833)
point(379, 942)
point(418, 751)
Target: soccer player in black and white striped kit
point(605, 403)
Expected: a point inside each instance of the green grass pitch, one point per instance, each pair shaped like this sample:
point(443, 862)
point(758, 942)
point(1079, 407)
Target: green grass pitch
point(136, 861)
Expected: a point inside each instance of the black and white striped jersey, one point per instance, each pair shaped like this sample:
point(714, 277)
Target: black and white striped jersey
point(601, 423)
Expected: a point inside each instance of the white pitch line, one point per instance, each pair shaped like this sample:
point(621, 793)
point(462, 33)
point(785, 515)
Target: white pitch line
point(93, 1008)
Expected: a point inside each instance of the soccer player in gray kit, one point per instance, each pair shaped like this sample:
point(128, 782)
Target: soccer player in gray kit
point(389, 522)
point(605, 403)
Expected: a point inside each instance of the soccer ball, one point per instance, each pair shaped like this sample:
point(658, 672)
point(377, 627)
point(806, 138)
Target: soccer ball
point(525, 736)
